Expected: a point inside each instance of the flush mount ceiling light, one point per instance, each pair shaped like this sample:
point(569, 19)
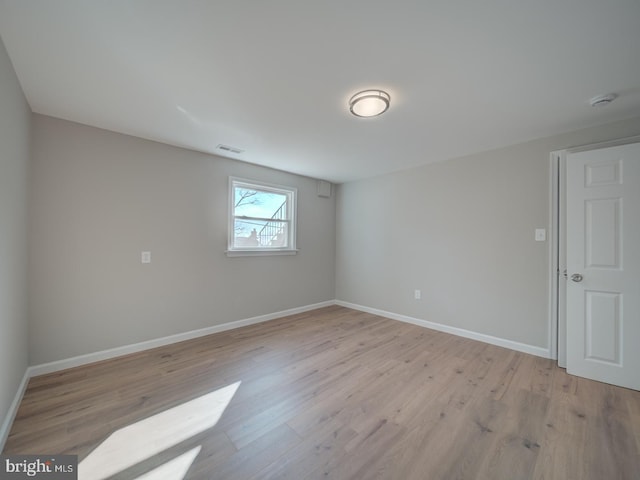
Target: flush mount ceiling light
point(602, 100)
point(369, 103)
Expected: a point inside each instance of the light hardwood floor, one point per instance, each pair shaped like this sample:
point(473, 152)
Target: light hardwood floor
point(340, 394)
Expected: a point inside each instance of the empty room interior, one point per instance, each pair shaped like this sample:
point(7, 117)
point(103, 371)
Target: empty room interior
point(345, 240)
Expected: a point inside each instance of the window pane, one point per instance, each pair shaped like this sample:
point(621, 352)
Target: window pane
point(255, 233)
point(256, 203)
point(274, 234)
point(246, 233)
point(261, 217)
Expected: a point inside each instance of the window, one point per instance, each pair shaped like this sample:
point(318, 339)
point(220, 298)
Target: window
point(262, 218)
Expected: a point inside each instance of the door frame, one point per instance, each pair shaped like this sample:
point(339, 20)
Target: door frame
point(557, 289)
point(558, 245)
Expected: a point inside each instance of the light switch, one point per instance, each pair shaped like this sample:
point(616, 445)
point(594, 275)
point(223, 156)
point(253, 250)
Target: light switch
point(541, 234)
point(145, 257)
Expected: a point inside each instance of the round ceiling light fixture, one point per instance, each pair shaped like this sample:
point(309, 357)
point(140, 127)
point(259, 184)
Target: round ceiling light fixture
point(602, 100)
point(369, 103)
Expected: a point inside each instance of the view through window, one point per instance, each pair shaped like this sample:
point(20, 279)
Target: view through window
point(262, 217)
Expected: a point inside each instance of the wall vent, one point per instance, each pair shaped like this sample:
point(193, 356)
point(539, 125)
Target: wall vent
point(228, 149)
point(324, 189)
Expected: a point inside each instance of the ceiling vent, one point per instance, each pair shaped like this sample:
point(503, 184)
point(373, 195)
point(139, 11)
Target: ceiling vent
point(228, 149)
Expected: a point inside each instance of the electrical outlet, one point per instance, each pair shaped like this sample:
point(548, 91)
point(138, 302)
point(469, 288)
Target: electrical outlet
point(541, 234)
point(417, 294)
point(145, 257)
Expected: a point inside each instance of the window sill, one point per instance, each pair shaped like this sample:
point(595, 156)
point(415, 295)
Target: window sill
point(258, 253)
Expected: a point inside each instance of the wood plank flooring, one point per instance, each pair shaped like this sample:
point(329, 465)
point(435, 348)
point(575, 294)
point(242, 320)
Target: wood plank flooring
point(333, 394)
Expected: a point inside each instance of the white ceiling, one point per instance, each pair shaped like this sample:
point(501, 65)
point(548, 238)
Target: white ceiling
point(273, 77)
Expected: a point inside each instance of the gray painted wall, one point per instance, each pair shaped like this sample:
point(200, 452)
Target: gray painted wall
point(462, 232)
point(15, 128)
point(100, 198)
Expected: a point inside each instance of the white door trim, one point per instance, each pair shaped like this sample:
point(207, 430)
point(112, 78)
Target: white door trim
point(557, 234)
point(556, 349)
point(557, 318)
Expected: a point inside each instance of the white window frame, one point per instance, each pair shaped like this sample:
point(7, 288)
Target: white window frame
point(292, 198)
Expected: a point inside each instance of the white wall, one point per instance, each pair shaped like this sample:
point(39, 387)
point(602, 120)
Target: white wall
point(15, 127)
point(462, 232)
point(100, 198)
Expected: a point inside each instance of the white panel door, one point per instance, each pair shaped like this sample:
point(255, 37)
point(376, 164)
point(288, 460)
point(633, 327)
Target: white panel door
point(603, 265)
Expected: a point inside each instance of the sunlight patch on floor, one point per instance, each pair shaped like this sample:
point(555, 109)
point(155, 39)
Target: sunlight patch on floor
point(142, 440)
point(175, 469)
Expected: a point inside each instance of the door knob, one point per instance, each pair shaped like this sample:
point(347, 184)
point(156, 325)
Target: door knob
point(576, 277)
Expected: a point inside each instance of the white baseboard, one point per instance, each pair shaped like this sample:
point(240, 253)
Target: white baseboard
point(13, 409)
point(461, 332)
point(58, 365)
point(180, 337)
point(160, 342)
